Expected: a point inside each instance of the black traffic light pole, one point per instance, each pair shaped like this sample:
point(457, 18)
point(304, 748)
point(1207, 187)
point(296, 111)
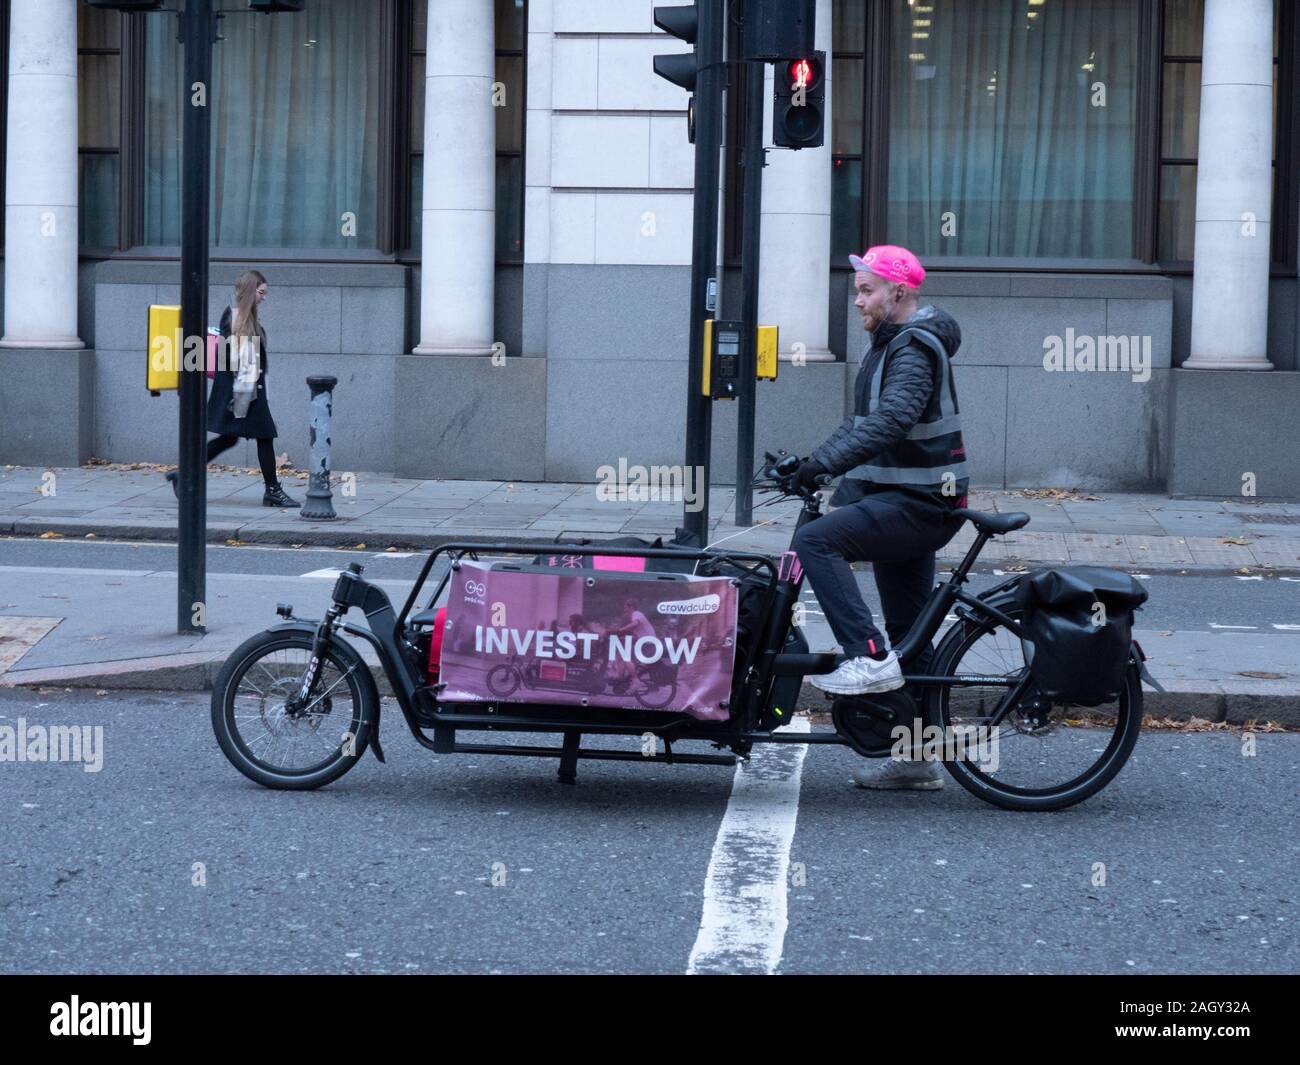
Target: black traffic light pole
point(754, 159)
point(198, 32)
point(710, 85)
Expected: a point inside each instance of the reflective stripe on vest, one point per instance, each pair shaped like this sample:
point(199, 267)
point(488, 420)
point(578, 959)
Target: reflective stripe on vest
point(948, 424)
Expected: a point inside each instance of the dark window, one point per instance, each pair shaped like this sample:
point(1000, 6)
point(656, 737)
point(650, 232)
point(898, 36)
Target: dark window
point(973, 129)
point(296, 115)
point(99, 125)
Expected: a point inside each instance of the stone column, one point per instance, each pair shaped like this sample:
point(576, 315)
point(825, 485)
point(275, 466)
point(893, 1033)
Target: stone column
point(458, 252)
point(794, 279)
point(1234, 183)
point(41, 177)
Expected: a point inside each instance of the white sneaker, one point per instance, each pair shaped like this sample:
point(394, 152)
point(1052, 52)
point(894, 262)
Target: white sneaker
point(901, 776)
point(857, 676)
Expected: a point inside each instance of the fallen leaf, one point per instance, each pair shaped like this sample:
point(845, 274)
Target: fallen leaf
point(101, 691)
point(1260, 674)
point(1243, 569)
point(359, 546)
point(91, 536)
point(1200, 724)
point(235, 543)
point(50, 536)
point(1238, 540)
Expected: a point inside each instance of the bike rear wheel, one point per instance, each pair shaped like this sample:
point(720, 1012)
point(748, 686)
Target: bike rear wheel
point(1041, 755)
point(279, 748)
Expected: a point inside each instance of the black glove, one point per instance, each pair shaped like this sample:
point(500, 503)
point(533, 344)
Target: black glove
point(805, 477)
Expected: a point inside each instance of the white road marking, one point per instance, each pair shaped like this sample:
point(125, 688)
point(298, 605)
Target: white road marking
point(1214, 626)
point(1288, 628)
point(1250, 578)
point(73, 571)
point(1293, 580)
point(326, 574)
point(743, 924)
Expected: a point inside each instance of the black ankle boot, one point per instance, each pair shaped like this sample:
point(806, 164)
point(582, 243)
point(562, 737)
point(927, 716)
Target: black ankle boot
point(275, 497)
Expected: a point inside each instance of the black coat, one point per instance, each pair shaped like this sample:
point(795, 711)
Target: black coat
point(906, 391)
point(257, 424)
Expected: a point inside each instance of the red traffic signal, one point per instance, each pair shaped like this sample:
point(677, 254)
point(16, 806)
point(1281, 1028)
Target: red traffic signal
point(799, 112)
point(804, 73)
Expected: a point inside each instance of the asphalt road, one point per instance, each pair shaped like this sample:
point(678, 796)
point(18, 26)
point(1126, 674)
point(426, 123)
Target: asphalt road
point(392, 868)
point(1192, 602)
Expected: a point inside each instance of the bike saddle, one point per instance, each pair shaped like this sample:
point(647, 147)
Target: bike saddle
point(993, 524)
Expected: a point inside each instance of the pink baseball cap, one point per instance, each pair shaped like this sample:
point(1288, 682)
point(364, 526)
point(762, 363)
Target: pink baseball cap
point(892, 263)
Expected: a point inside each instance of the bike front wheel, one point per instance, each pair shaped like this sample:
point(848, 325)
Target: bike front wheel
point(1033, 754)
point(280, 747)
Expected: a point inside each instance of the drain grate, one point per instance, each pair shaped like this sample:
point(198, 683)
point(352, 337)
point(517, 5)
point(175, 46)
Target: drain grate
point(1270, 519)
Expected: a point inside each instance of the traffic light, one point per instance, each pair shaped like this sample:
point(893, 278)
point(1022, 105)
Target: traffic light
point(799, 113)
point(681, 68)
point(778, 28)
point(126, 5)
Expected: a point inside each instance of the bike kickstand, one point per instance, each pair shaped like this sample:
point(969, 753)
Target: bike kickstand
point(569, 757)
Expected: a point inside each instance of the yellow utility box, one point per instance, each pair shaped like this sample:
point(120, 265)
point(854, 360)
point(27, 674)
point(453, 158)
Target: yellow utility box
point(165, 350)
point(765, 369)
point(767, 349)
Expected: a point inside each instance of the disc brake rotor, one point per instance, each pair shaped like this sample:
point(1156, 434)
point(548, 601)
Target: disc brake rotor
point(279, 722)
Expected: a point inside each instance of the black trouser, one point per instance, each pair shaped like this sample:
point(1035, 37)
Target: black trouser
point(265, 455)
point(899, 534)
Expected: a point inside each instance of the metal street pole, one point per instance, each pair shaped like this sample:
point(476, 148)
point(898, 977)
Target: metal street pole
point(710, 85)
point(754, 159)
point(198, 32)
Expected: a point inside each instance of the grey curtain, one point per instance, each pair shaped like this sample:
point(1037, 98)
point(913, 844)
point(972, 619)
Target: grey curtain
point(993, 119)
point(295, 116)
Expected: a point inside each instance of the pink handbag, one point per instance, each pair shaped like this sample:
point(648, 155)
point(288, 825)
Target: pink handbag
point(214, 340)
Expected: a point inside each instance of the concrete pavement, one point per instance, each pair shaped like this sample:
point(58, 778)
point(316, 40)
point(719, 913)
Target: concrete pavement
point(133, 502)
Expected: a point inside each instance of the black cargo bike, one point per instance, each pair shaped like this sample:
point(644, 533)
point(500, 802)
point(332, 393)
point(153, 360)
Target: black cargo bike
point(296, 706)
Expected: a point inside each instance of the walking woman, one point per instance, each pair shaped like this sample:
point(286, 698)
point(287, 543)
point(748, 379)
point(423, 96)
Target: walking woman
point(231, 414)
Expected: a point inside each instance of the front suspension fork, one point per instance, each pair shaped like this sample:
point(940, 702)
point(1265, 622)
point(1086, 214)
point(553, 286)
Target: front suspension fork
point(311, 678)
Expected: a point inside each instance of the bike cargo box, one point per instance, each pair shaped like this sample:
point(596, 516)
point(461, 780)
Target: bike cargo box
point(1080, 622)
point(571, 636)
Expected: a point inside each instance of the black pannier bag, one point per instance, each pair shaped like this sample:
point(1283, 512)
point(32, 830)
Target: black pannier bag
point(1080, 621)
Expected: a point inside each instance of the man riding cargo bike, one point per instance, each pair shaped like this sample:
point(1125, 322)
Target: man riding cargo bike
point(1042, 666)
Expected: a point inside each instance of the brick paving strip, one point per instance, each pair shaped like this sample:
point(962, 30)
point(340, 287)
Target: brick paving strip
point(18, 635)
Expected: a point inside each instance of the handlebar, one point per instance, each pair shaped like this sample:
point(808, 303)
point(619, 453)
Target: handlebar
point(776, 474)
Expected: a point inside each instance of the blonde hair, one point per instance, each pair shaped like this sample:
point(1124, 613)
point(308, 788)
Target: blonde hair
point(244, 320)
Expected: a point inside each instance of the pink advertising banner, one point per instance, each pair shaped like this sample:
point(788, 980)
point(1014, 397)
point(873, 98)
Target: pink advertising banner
point(590, 638)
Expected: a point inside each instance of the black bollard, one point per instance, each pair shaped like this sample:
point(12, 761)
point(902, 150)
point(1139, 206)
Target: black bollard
point(320, 500)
